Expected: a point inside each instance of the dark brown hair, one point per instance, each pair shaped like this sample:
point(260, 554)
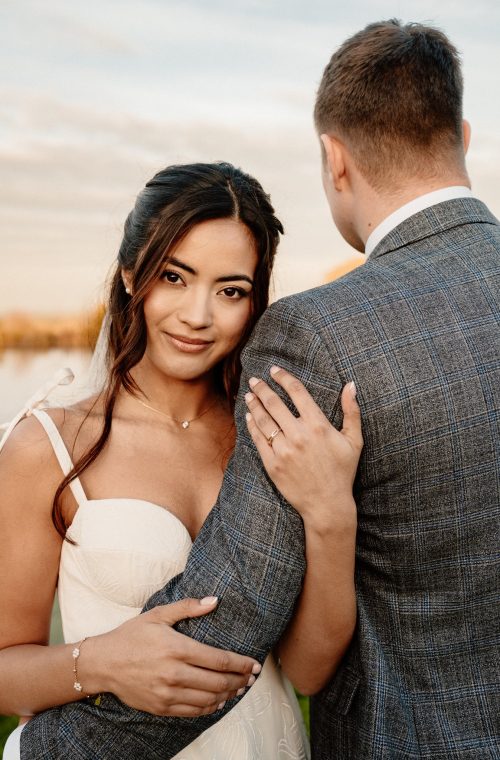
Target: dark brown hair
point(394, 93)
point(170, 205)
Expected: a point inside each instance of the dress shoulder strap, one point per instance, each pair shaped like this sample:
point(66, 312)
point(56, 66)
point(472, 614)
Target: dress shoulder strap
point(61, 377)
point(61, 452)
point(32, 406)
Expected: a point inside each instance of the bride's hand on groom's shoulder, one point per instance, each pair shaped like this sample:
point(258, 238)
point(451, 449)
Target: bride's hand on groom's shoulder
point(310, 462)
point(150, 666)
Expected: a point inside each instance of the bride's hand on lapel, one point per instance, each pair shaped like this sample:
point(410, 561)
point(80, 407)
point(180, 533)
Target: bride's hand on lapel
point(311, 463)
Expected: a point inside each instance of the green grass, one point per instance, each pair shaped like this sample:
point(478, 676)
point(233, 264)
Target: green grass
point(7, 725)
point(304, 706)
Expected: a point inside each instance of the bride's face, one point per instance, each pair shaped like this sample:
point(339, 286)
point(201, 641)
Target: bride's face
point(196, 313)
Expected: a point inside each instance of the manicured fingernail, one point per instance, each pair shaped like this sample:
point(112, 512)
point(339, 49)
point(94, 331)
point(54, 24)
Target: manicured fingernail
point(240, 692)
point(256, 669)
point(352, 389)
point(219, 707)
point(208, 600)
point(249, 397)
point(251, 681)
point(253, 382)
point(248, 416)
point(274, 369)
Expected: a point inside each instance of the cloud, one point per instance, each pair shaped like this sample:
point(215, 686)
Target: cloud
point(96, 100)
point(64, 200)
point(42, 24)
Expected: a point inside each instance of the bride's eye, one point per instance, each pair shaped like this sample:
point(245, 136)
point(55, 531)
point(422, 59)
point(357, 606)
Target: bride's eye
point(235, 293)
point(172, 277)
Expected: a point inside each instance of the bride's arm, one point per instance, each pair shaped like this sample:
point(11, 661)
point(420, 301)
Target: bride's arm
point(31, 674)
point(145, 661)
point(314, 465)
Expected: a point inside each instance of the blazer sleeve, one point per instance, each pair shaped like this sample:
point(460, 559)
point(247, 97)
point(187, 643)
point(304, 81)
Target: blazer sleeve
point(249, 553)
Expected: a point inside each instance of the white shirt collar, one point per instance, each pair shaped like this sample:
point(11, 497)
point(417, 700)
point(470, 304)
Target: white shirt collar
point(411, 208)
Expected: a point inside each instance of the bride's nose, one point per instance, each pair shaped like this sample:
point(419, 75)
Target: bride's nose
point(196, 309)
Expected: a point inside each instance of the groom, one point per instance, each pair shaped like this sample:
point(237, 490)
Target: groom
point(417, 329)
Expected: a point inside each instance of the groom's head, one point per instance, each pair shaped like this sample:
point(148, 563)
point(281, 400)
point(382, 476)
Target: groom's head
point(391, 96)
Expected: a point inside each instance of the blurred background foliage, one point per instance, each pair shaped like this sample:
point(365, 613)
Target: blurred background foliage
point(31, 331)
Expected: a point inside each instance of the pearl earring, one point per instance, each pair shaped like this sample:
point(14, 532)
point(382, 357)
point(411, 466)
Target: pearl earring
point(127, 291)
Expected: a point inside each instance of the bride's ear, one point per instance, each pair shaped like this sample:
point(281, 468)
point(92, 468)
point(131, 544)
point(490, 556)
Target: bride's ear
point(127, 281)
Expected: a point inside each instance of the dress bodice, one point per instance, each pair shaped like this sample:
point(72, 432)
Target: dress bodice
point(121, 551)
point(124, 551)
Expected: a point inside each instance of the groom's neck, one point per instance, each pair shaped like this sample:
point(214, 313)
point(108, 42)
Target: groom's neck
point(372, 205)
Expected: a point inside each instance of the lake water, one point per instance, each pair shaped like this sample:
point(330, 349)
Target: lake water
point(22, 372)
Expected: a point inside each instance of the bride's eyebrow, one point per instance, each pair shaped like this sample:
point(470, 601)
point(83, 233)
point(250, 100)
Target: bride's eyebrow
point(233, 277)
point(179, 264)
point(226, 278)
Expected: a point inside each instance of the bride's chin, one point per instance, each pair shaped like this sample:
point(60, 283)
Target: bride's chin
point(187, 374)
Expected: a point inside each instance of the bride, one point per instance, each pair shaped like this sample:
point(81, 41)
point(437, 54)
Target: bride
point(103, 499)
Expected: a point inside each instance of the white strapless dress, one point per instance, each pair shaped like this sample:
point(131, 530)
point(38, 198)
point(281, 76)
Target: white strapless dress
point(126, 549)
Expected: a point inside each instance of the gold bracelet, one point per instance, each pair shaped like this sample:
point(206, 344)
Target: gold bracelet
point(76, 654)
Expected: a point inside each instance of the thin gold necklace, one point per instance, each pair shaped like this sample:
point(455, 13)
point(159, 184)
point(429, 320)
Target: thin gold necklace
point(183, 423)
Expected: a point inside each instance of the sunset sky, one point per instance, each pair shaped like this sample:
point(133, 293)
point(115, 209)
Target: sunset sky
point(97, 96)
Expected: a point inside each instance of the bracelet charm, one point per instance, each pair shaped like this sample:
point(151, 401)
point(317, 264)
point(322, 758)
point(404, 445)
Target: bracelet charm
point(76, 654)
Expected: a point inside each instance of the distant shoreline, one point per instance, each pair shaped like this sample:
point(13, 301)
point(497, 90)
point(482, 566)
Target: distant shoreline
point(21, 330)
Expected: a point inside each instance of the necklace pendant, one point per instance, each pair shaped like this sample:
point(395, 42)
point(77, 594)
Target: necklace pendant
point(185, 424)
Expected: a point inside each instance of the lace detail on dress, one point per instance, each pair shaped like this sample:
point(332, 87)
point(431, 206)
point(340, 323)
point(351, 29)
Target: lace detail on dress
point(266, 724)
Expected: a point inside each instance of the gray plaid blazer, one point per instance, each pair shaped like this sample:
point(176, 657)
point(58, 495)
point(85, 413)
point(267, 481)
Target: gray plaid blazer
point(417, 328)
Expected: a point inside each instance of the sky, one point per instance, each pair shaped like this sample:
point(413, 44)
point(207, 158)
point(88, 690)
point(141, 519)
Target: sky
point(95, 97)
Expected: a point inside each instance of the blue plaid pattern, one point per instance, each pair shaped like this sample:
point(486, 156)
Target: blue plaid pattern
point(417, 328)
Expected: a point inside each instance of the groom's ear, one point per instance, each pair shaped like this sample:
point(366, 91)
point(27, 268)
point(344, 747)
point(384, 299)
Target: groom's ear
point(334, 160)
point(466, 131)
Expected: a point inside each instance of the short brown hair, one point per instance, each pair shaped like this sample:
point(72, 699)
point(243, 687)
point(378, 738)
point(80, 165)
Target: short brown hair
point(394, 93)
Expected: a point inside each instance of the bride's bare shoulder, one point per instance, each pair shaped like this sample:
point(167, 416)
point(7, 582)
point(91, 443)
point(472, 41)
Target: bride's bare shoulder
point(27, 456)
point(28, 447)
point(87, 411)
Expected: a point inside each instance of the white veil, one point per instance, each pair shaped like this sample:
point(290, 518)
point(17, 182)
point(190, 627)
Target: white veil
point(95, 379)
point(63, 388)
point(88, 383)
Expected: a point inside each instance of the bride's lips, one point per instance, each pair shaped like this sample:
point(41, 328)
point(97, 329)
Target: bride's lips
point(189, 345)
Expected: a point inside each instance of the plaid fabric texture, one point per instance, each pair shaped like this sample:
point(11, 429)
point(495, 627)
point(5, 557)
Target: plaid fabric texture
point(417, 329)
